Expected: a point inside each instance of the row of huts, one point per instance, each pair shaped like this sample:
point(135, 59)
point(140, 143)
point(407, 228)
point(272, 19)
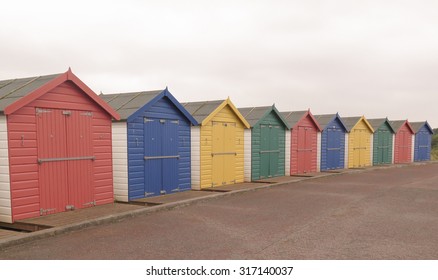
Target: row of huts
point(63, 147)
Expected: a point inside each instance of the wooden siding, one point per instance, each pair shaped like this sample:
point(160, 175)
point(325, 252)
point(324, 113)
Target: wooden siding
point(196, 157)
point(412, 148)
point(23, 149)
point(359, 146)
point(5, 187)
point(247, 155)
point(270, 119)
point(224, 115)
point(403, 145)
point(323, 146)
point(346, 150)
point(162, 109)
point(318, 153)
point(120, 161)
point(287, 144)
point(294, 166)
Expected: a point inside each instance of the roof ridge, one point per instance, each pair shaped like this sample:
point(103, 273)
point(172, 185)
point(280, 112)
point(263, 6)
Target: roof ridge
point(14, 90)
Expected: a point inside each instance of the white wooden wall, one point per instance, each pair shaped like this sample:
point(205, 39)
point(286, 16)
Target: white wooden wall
point(393, 147)
point(346, 150)
point(412, 147)
point(372, 148)
point(318, 152)
point(195, 140)
point(120, 161)
point(247, 155)
point(5, 186)
point(287, 147)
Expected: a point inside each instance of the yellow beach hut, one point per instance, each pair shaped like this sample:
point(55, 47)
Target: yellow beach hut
point(217, 143)
point(359, 142)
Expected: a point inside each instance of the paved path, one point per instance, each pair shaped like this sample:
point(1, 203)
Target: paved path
point(380, 214)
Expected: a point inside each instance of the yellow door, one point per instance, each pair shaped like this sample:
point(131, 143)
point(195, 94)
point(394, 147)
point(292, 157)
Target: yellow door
point(224, 153)
point(230, 153)
point(217, 157)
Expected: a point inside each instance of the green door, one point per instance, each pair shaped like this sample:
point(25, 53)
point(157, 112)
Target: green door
point(384, 143)
point(265, 144)
point(269, 150)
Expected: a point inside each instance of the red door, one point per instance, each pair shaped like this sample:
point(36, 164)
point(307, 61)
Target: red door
point(405, 146)
point(65, 160)
point(304, 149)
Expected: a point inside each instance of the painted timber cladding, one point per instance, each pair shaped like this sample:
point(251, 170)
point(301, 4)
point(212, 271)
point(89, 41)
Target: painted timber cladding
point(359, 142)
point(154, 144)
point(221, 142)
point(247, 155)
point(287, 144)
point(23, 149)
point(226, 115)
point(120, 161)
point(382, 142)
point(5, 186)
point(403, 142)
point(332, 143)
point(304, 141)
point(256, 146)
point(422, 140)
point(163, 109)
point(196, 156)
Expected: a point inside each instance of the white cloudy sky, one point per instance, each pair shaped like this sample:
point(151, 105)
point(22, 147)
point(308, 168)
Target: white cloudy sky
point(377, 58)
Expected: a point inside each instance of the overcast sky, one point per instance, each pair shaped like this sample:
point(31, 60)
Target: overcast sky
point(372, 58)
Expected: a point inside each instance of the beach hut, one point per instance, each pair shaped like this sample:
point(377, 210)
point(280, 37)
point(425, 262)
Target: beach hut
point(360, 142)
point(383, 141)
point(332, 149)
point(423, 140)
point(404, 140)
point(217, 143)
point(151, 144)
point(265, 142)
point(55, 151)
point(304, 141)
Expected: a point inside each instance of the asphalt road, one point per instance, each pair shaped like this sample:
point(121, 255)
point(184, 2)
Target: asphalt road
point(381, 214)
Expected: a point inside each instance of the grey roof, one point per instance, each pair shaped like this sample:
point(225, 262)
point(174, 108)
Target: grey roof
point(416, 126)
point(201, 109)
point(128, 103)
point(14, 89)
point(350, 122)
point(376, 123)
point(293, 117)
point(396, 125)
point(254, 114)
point(324, 120)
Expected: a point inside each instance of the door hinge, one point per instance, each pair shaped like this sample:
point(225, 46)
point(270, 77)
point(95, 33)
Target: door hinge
point(40, 111)
point(175, 122)
point(162, 192)
point(145, 120)
point(66, 113)
point(148, 193)
point(88, 114)
point(44, 211)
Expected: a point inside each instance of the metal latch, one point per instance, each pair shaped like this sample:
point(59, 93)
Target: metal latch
point(44, 211)
point(66, 113)
point(162, 192)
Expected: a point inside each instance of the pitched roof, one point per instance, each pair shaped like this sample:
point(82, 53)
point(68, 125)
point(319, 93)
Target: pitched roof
point(416, 126)
point(376, 123)
point(396, 125)
point(127, 104)
point(350, 122)
point(14, 89)
point(16, 93)
point(203, 111)
point(130, 105)
point(325, 120)
point(254, 114)
point(293, 117)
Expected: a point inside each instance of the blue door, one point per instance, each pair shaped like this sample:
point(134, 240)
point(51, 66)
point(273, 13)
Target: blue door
point(334, 153)
point(423, 146)
point(161, 156)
